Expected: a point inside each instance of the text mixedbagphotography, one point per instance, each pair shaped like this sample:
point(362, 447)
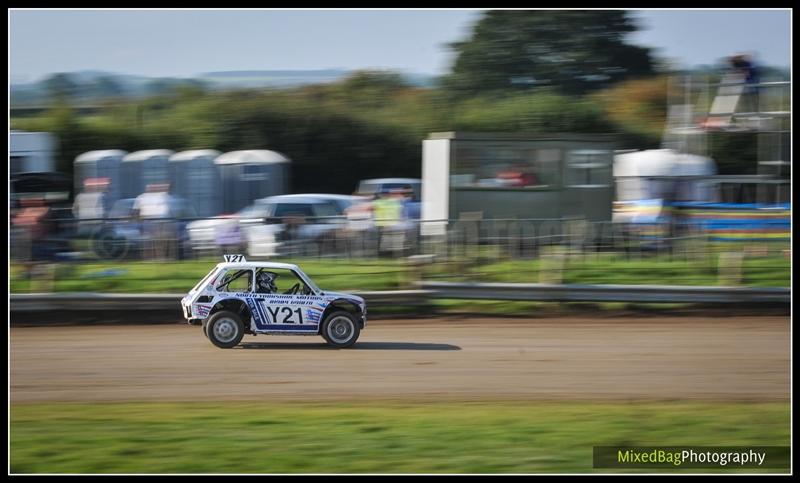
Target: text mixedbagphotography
point(691, 457)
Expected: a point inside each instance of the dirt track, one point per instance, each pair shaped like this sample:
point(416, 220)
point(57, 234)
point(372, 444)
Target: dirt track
point(745, 358)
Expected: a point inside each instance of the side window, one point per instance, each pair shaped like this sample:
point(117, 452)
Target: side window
point(325, 211)
point(280, 281)
point(236, 280)
point(515, 166)
point(293, 209)
point(589, 168)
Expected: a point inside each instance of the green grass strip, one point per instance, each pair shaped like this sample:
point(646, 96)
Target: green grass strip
point(379, 437)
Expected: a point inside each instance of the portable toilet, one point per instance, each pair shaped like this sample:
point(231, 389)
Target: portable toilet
point(194, 177)
point(246, 176)
point(143, 168)
point(100, 164)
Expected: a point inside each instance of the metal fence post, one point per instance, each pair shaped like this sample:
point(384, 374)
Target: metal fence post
point(43, 277)
point(730, 268)
point(551, 266)
point(415, 269)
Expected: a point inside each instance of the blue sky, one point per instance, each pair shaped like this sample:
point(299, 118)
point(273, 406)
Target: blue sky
point(186, 43)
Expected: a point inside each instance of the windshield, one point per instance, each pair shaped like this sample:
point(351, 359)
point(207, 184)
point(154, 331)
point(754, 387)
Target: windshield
point(342, 205)
point(308, 281)
point(121, 209)
point(202, 282)
point(180, 208)
point(367, 188)
point(256, 210)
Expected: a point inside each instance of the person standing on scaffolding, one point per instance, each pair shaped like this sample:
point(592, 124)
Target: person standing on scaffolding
point(738, 93)
point(745, 66)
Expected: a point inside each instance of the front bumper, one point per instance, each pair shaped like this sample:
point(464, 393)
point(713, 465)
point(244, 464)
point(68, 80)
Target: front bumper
point(190, 318)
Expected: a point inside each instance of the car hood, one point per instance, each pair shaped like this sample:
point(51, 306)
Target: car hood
point(210, 223)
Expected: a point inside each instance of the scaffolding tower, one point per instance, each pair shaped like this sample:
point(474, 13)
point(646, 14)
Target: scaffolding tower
point(762, 108)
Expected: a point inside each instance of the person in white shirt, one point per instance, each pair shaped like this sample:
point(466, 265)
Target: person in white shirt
point(91, 205)
point(153, 208)
point(154, 203)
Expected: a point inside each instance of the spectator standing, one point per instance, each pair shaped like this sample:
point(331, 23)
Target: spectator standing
point(360, 228)
point(91, 205)
point(153, 208)
point(34, 218)
point(388, 209)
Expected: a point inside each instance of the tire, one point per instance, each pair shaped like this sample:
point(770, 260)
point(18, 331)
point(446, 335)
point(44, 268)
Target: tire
point(205, 326)
point(108, 246)
point(340, 329)
point(225, 329)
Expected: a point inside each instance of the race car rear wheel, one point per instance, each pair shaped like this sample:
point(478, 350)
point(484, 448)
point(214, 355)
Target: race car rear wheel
point(225, 329)
point(340, 329)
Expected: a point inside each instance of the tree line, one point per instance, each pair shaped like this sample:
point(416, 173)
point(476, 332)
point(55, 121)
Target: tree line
point(535, 71)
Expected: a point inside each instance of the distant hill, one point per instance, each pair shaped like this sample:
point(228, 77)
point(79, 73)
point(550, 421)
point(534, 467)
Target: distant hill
point(273, 78)
point(91, 85)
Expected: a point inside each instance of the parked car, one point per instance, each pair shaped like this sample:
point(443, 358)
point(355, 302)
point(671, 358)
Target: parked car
point(410, 187)
point(385, 185)
point(275, 225)
point(343, 202)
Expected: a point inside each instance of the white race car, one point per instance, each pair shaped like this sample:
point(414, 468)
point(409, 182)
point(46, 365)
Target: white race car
point(240, 297)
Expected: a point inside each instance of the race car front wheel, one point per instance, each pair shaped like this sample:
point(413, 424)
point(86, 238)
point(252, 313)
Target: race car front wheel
point(225, 329)
point(340, 329)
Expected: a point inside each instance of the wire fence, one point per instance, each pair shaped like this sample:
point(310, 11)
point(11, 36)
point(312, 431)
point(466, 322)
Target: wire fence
point(390, 255)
